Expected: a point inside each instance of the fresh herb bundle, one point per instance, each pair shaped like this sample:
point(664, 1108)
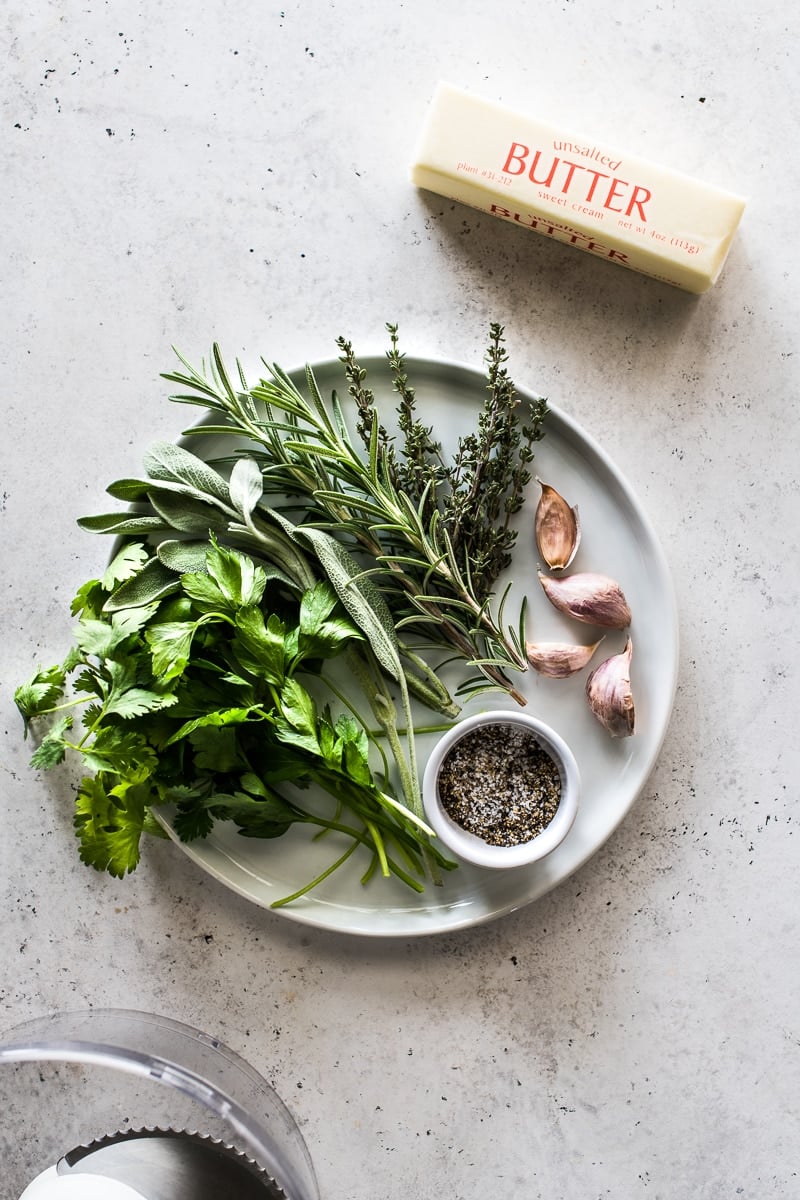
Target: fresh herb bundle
point(205, 697)
point(193, 653)
point(435, 533)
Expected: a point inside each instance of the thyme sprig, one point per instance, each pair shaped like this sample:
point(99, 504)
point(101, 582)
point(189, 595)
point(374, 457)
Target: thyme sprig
point(435, 533)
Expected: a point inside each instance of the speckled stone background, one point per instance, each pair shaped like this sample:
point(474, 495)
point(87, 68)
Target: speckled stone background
point(237, 171)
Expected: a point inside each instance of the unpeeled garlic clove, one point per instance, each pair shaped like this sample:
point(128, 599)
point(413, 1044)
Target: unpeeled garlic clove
point(588, 597)
point(558, 660)
point(557, 528)
point(608, 690)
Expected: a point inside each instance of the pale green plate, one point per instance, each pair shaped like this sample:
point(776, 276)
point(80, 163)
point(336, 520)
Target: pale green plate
point(617, 540)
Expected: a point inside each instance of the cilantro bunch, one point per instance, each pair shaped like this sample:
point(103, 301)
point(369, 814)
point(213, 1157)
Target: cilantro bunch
point(211, 696)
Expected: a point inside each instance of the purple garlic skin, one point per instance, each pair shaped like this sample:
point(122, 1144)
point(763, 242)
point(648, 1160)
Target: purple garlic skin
point(558, 660)
point(557, 528)
point(588, 597)
point(608, 690)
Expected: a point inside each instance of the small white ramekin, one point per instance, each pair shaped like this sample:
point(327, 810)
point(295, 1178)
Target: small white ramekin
point(473, 849)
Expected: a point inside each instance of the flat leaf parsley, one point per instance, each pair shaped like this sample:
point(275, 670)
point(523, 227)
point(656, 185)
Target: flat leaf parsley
point(207, 698)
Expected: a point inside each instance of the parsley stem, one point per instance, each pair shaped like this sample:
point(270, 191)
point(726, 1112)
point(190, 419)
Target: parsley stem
point(379, 848)
point(317, 880)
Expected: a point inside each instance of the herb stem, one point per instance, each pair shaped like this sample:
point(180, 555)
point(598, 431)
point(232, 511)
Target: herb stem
point(323, 875)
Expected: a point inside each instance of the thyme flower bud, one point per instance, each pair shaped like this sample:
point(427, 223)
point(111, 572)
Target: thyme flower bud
point(588, 597)
point(557, 528)
point(558, 659)
point(608, 690)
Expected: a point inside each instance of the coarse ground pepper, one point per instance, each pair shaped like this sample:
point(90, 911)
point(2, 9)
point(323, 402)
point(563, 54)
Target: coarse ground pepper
point(499, 783)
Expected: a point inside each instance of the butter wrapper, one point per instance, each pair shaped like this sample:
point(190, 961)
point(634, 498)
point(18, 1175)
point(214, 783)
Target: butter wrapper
point(579, 191)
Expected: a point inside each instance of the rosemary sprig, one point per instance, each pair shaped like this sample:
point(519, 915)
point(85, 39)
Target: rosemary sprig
point(435, 534)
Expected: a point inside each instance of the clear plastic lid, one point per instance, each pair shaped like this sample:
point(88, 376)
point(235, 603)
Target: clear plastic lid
point(70, 1079)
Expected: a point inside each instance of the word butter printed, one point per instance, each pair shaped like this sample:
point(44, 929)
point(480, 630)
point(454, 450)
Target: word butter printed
point(586, 194)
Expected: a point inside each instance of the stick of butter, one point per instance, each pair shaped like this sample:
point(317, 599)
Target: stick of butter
point(581, 192)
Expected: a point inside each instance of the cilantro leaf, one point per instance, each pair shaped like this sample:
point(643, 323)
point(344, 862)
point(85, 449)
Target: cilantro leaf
point(120, 751)
point(91, 682)
point(100, 638)
point(267, 817)
point(228, 716)
point(316, 604)
point(40, 693)
point(131, 620)
point(192, 823)
point(124, 565)
point(354, 749)
point(90, 599)
point(188, 696)
point(109, 834)
point(216, 749)
point(52, 749)
point(137, 701)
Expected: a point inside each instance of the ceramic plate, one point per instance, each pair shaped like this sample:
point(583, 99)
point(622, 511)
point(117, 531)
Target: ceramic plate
point(617, 540)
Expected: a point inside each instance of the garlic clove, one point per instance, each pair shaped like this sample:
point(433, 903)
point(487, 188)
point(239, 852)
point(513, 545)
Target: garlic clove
point(588, 597)
point(557, 528)
point(558, 660)
point(608, 690)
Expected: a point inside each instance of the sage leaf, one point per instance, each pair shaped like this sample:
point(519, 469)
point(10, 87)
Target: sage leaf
point(122, 523)
point(169, 461)
point(129, 489)
point(359, 595)
point(246, 486)
point(188, 513)
point(183, 557)
point(151, 583)
point(134, 491)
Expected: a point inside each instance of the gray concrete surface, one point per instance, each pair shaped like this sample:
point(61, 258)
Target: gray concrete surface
point(238, 171)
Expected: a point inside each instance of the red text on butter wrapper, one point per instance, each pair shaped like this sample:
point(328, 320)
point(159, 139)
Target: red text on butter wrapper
point(571, 178)
point(562, 233)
